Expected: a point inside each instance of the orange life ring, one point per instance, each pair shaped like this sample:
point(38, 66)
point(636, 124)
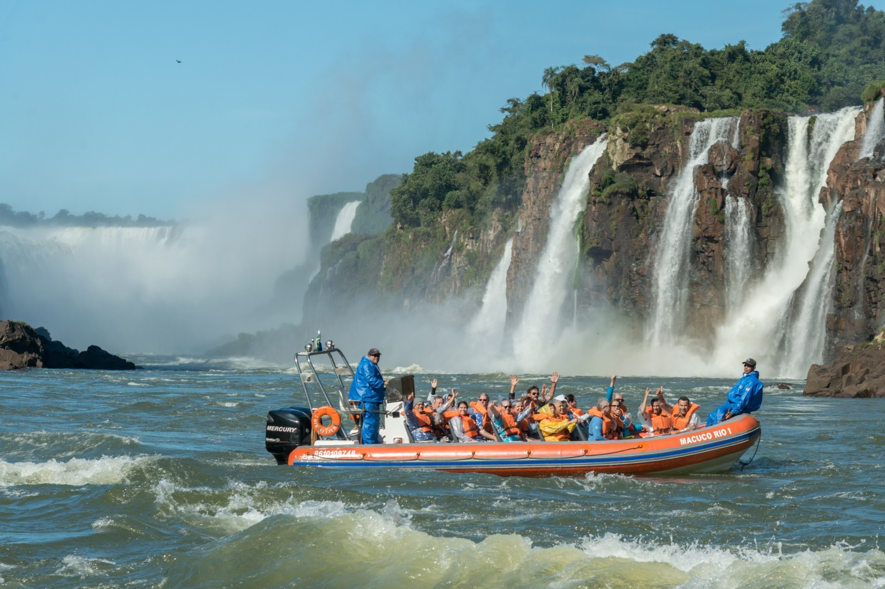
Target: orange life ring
point(317, 421)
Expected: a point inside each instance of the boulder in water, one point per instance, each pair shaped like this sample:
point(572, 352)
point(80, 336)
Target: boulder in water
point(22, 346)
point(857, 372)
point(784, 386)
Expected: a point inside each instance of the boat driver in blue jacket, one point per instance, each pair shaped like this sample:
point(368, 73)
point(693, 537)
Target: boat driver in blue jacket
point(744, 397)
point(368, 391)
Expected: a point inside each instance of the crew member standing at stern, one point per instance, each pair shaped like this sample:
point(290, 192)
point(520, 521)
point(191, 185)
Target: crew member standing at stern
point(744, 397)
point(368, 391)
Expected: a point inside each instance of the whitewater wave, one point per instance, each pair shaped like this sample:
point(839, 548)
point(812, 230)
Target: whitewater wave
point(37, 445)
point(76, 471)
point(81, 566)
point(382, 548)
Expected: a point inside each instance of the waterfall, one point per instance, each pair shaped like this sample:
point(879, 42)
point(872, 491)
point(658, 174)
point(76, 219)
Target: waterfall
point(141, 288)
point(806, 335)
point(671, 267)
point(875, 130)
point(542, 315)
point(737, 249)
point(344, 221)
point(762, 325)
point(489, 321)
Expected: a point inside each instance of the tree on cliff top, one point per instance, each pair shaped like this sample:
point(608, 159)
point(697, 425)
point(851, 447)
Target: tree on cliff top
point(830, 51)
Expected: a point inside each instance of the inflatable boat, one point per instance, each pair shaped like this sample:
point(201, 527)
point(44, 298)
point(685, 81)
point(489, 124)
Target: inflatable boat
point(301, 437)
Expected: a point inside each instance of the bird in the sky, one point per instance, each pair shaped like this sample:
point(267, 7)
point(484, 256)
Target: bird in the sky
point(177, 61)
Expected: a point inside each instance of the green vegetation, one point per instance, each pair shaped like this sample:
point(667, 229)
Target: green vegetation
point(830, 51)
point(872, 92)
point(10, 218)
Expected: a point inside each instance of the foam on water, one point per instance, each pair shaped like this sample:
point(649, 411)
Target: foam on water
point(81, 566)
point(108, 470)
point(383, 549)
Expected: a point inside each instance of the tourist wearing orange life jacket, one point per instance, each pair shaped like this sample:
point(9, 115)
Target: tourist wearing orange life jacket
point(573, 405)
point(603, 425)
point(481, 408)
point(419, 423)
point(685, 417)
point(465, 428)
point(655, 415)
point(504, 422)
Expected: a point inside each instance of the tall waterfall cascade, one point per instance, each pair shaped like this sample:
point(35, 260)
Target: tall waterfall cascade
point(780, 321)
point(671, 268)
point(875, 130)
point(344, 220)
point(489, 321)
point(542, 317)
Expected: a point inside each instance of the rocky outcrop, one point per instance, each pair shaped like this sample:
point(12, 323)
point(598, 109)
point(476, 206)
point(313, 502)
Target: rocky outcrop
point(545, 165)
point(857, 371)
point(21, 346)
point(628, 202)
point(859, 298)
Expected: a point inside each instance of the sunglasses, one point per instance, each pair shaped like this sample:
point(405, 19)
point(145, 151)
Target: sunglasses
point(506, 406)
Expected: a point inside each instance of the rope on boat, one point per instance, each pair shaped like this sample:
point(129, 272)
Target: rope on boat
point(743, 464)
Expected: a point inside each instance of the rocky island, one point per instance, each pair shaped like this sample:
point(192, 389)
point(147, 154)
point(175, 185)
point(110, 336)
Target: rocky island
point(858, 371)
point(22, 346)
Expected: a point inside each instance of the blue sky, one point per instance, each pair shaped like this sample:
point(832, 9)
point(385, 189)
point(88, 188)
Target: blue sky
point(287, 99)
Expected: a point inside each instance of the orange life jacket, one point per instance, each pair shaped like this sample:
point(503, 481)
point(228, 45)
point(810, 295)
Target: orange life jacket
point(660, 423)
point(511, 428)
point(576, 411)
point(610, 424)
point(423, 420)
point(486, 422)
point(469, 426)
point(680, 422)
point(449, 414)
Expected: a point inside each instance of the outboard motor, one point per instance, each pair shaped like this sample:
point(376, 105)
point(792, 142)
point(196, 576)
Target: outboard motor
point(286, 430)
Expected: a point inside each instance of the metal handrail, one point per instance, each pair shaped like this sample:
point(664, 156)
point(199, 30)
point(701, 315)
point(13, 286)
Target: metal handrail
point(328, 353)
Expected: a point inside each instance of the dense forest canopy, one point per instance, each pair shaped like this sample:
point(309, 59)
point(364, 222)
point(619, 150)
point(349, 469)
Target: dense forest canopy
point(830, 51)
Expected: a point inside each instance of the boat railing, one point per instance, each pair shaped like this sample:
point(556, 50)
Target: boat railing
point(323, 393)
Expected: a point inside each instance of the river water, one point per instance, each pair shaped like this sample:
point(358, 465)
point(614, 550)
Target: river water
point(159, 478)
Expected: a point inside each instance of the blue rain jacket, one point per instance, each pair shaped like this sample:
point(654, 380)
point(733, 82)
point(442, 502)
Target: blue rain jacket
point(746, 395)
point(367, 386)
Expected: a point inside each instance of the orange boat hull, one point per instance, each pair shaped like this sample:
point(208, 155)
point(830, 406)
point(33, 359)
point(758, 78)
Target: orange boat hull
point(712, 449)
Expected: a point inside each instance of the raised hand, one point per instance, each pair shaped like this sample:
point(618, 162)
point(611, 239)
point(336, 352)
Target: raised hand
point(614, 378)
point(514, 380)
point(554, 378)
point(433, 383)
point(411, 397)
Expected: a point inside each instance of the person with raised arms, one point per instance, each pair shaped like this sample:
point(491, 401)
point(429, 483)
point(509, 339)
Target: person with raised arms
point(655, 415)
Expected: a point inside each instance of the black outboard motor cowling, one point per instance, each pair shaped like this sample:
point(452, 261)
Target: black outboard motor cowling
point(286, 430)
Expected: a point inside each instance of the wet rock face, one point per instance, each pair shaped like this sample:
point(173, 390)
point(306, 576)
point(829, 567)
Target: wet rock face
point(857, 371)
point(859, 296)
point(545, 166)
point(622, 223)
point(21, 346)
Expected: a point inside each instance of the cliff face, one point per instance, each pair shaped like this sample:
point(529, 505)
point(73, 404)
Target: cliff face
point(545, 166)
point(859, 302)
point(628, 201)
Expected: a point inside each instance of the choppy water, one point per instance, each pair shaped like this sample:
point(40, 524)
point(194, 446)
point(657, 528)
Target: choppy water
point(159, 478)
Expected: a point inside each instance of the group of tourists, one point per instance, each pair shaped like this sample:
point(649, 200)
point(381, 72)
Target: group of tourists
point(541, 414)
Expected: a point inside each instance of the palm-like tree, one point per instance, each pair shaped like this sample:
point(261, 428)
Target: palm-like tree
point(547, 80)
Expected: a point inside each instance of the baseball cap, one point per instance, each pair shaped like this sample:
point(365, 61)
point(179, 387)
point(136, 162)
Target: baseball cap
point(750, 362)
point(374, 352)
